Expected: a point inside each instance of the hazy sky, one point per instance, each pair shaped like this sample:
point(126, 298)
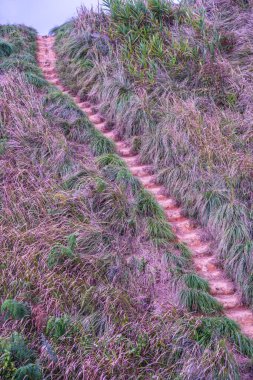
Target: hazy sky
point(41, 14)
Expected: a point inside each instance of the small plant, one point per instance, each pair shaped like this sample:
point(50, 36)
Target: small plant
point(59, 253)
point(142, 264)
point(6, 48)
point(28, 372)
point(14, 309)
point(19, 351)
point(3, 143)
point(7, 365)
point(58, 326)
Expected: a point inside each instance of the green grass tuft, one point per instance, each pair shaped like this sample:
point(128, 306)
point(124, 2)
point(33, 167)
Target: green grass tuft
point(199, 301)
point(147, 205)
point(110, 159)
point(193, 281)
point(160, 231)
point(212, 327)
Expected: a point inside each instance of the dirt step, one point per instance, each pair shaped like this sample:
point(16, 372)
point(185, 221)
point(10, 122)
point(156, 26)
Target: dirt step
point(86, 109)
point(111, 135)
point(167, 203)
point(125, 152)
point(182, 224)
point(131, 161)
point(229, 301)
point(96, 119)
point(84, 104)
point(55, 81)
point(155, 189)
point(190, 236)
point(174, 213)
point(218, 287)
point(121, 144)
point(102, 126)
point(148, 181)
point(207, 266)
point(247, 330)
point(140, 171)
point(199, 248)
point(241, 315)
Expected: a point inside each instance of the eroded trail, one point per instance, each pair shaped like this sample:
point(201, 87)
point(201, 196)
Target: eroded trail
point(205, 262)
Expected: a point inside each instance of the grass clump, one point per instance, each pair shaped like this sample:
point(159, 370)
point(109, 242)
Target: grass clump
point(14, 309)
point(147, 205)
point(199, 301)
point(160, 231)
point(193, 281)
point(223, 327)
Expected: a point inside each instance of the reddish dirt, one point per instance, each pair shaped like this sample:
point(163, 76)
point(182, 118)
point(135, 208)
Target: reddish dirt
point(222, 288)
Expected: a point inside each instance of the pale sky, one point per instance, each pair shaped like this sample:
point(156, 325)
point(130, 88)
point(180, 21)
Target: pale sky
point(43, 15)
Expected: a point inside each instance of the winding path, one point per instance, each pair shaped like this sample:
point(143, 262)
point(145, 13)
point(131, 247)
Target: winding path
point(204, 259)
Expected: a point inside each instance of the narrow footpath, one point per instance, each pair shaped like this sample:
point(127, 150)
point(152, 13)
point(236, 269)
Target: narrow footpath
point(222, 288)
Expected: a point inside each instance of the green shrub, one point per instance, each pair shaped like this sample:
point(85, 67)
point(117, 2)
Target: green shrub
point(59, 253)
point(28, 372)
point(14, 309)
point(57, 326)
point(7, 365)
point(5, 48)
point(20, 353)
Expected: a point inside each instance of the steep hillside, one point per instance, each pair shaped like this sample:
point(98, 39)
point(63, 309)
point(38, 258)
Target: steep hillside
point(117, 230)
point(92, 276)
point(170, 79)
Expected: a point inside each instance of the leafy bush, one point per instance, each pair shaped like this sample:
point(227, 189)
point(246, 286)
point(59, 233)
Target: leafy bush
point(29, 372)
point(58, 326)
point(14, 309)
point(5, 48)
point(19, 350)
point(59, 253)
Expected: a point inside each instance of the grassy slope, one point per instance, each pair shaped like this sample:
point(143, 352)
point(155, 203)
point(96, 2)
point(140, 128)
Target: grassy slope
point(73, 304)
point(169, 78)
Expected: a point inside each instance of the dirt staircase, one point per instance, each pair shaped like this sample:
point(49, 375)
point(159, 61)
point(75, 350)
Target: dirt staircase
point(222, 288)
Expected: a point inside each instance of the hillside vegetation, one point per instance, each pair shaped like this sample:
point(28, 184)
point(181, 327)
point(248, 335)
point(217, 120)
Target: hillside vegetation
point(87, 256)
point(176, 81)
